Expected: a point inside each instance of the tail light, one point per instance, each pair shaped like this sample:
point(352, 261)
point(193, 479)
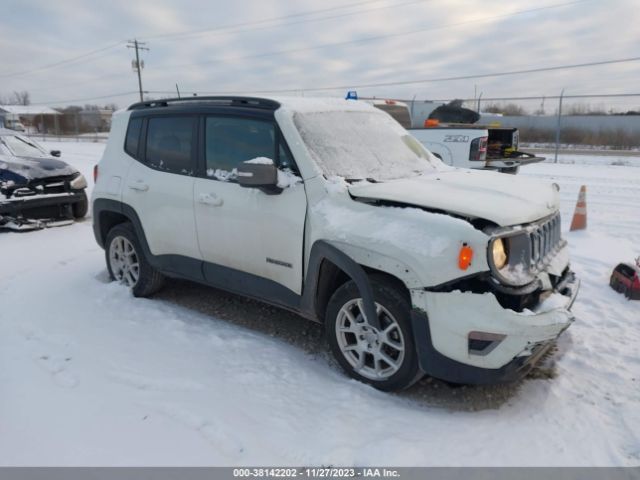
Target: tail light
point(478, 149)
point(95, 173)
point(431, 122)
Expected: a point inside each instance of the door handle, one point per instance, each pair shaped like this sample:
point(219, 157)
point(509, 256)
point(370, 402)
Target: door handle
point(139, 185)
point(210, 199)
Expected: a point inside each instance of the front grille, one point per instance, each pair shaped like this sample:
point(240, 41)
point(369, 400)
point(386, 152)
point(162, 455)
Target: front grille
point(55, 187)
point(544, 240)
point(52, 185)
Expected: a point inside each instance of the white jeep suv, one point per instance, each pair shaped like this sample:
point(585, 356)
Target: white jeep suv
point(329, 208)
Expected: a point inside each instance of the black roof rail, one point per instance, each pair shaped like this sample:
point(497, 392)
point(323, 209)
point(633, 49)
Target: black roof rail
point(252, 102)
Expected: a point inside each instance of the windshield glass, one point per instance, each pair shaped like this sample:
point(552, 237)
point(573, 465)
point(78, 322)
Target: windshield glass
point(22, 146)
point(362, 145)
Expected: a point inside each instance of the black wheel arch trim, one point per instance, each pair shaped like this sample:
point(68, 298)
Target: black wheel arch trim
point(324, 250)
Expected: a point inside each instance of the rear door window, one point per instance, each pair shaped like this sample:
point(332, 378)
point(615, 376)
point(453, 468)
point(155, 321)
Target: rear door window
point(169, 145)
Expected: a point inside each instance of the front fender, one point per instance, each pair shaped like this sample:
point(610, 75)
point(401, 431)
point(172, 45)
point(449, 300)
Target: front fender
point(417, 246)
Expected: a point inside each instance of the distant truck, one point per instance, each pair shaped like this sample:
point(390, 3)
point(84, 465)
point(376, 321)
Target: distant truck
point(11, 121)
point(450, 133)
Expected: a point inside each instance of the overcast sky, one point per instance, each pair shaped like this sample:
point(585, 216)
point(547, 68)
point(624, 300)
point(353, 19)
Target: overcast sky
point(344, 43)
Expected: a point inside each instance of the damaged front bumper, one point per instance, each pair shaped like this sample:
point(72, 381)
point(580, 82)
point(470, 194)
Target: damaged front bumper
point(39, 211)
point(470, 338)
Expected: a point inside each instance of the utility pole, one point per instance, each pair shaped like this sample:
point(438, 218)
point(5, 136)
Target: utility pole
point(558, 126)
point(136, 64)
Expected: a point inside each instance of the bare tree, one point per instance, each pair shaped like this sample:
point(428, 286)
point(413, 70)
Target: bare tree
point(511, 109)
point(20, 98)
point(585, 109)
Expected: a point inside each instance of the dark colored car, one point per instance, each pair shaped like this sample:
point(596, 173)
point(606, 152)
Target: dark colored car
point(37, 189)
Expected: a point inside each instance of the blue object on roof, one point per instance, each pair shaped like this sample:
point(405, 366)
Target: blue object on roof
point(351, 95)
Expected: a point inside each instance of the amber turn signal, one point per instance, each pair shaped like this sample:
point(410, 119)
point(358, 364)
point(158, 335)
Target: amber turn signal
point(465, 257)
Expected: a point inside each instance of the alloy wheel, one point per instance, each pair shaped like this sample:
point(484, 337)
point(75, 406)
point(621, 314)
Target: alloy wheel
point(123, 260)
point(374, 354)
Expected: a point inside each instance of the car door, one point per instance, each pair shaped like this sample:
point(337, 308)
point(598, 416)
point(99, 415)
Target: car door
point(245, 230)
point(159, 186)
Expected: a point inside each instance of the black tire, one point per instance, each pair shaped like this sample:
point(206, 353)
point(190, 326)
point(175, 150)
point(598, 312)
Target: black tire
point(81, 207)
point(395, 302)
point(149, 279)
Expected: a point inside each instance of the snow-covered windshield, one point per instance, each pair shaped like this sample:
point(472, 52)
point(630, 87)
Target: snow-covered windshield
point(21, 146)
point(361, 145)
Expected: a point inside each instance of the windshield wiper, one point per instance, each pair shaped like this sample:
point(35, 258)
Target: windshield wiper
point(355, 180)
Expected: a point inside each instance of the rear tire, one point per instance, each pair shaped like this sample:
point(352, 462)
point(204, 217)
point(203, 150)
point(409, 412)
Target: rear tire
point(128, 265)
point(386, 359)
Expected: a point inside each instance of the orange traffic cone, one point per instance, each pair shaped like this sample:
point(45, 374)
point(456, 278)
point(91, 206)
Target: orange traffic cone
point(579, 221)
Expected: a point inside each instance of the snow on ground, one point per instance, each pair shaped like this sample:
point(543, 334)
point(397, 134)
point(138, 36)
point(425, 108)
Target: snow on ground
point(604, 159)
point(92, 376)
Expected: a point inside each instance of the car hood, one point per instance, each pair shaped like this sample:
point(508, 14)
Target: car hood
point(26, 169)
point(498, 197)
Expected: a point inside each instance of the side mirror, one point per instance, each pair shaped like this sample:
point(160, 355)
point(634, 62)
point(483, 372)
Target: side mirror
point(55, 153)
point(259, 175)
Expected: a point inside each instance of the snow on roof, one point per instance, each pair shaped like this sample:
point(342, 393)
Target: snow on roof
point(320, 104)
point(28, 110)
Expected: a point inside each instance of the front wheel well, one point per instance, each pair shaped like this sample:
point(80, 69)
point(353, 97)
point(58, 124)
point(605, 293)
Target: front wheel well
point(331, 277)
point(391, 280)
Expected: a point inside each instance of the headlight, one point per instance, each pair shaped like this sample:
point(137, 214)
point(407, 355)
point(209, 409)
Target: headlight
point(79, 182)
point(499, 254)
point(509, 259)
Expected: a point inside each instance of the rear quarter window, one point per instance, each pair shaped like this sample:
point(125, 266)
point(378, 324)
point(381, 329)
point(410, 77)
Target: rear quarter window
point(132, 140)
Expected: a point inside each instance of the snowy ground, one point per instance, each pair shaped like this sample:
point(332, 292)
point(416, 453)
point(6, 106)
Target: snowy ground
point(92, 376)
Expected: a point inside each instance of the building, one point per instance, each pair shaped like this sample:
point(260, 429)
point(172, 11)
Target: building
point(35, 117)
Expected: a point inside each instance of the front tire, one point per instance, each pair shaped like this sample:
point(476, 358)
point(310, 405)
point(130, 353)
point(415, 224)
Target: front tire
point(385, 358)
point(81, 207)
point(127, 264)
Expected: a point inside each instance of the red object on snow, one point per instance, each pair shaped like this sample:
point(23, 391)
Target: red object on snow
point(625, 278)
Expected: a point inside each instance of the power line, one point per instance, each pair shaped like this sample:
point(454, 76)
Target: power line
point(298, 22)
point(161, 36)
point(75, 84)
point(427, 80)
point(62, 62)
point(257, 22)
point(109, 47)
point(377, 37)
